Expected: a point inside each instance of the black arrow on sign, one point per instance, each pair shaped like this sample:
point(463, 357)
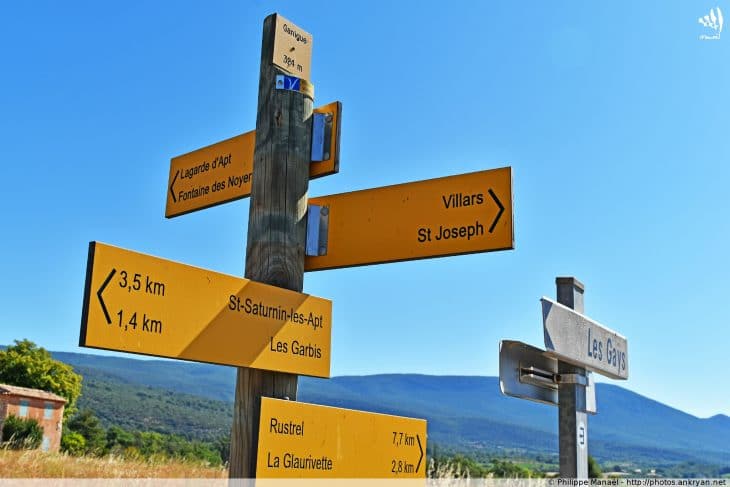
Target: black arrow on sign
point(420, 448)
point(101, 301)
point(501, 210)
point(172, 192)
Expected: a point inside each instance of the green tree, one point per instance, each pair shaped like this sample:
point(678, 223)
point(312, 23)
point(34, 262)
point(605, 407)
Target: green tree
point(150, 443)
point(73, 443)
point(27, 365)
point(594, 470)
point(88, 425)
point(22, 433)
point(223, 445)
point(469, 466)
point(118, 440)
point(505, 469)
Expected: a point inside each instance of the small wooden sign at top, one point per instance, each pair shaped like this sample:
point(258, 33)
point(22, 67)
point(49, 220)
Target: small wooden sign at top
point(292, 48)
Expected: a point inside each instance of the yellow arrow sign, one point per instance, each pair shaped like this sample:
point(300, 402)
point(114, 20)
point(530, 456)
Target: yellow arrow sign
point(142, 304)
point(298, 440)
point(223, 172)
point(433, 218)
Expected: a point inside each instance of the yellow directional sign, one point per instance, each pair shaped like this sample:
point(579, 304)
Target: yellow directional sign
point(223, 171)
point(142, 304)
point(433, 218)
point(298, 440)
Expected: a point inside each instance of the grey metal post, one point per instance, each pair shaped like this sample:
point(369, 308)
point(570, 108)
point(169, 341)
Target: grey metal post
point(573, 424)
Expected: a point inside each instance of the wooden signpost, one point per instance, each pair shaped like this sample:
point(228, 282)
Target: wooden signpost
point(142, 304)
point(263, 323)
point(299, 440)
point(276, 222)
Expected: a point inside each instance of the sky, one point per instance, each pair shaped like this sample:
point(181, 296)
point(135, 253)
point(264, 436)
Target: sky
point(613, 116)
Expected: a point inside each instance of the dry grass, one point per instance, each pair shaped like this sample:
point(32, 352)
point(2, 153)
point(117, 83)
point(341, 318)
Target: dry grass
point(446, 470)
point(36, 464)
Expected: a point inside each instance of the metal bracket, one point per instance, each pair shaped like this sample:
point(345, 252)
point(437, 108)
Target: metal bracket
point(530, 373)
point(579, 379)
point(542, 378)
point(321, 136)
point(538, 377)
point(318, 220)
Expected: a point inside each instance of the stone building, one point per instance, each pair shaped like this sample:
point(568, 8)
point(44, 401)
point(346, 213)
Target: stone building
point(44, 407)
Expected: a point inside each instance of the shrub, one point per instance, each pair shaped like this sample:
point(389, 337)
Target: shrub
point(73, 443)
point(118, 440)
point(594, 469)
point(22, 433)
point(89, 426)
point(509, 470)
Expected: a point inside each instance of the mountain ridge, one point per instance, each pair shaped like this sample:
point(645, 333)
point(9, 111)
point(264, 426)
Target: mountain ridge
point(467, 412)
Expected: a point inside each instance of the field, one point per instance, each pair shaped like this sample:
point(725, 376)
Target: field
point(36, 464)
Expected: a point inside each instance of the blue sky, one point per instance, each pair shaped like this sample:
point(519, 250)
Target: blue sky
point(614, 117)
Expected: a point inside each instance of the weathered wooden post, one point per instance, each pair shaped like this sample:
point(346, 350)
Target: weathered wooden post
point(573, 420)
point(276, 228)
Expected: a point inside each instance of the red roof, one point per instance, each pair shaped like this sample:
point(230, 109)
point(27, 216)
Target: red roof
point(7, 390)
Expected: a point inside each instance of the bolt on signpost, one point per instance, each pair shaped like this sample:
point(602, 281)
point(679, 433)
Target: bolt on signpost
point(561, 375)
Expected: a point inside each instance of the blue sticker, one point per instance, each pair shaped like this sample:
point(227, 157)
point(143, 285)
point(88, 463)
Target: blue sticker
point(284, 82)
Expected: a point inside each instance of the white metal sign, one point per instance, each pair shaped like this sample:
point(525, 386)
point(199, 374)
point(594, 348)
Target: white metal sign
point(576, 339)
